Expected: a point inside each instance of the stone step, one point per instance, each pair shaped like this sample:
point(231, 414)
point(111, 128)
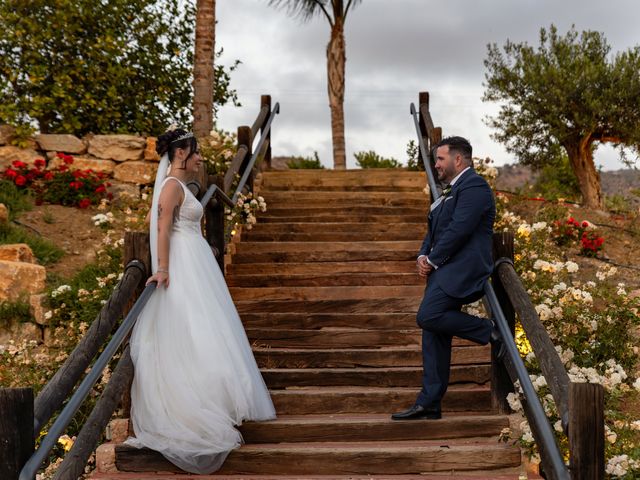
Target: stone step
point(337, 400)
point(322, 256)
point(377, 305)
point(346, 218)
point(309, 268)
point(379, 180)
point(325, 293)
point(324, 280)
point(287, 247)
point(304, 210)
point(359, 428)
point(268, 357)
point(334, 227)
point(275, 198)
point(345, 458)
point(256, 235)
point(314, 321)
point(282, 378)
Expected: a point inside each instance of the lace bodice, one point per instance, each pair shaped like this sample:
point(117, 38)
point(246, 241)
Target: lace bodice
point(190, 211)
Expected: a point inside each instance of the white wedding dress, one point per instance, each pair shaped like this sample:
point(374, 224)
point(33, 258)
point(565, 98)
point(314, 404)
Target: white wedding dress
point(195, 374)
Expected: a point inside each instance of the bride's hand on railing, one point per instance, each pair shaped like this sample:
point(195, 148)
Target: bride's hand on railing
point(161, 277)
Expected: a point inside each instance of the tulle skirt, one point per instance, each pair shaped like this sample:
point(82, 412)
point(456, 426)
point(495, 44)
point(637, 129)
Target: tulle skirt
point(195, 374)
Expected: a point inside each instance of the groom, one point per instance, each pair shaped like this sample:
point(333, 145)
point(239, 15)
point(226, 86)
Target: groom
point(456, 258)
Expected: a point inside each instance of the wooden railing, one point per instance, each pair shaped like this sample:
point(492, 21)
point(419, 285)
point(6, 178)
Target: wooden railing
point(22, 418)
point(580, 405)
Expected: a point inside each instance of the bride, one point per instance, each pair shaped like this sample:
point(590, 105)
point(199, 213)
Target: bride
point(195, 375)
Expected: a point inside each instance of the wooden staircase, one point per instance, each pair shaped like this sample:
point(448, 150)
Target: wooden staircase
point(325, 284)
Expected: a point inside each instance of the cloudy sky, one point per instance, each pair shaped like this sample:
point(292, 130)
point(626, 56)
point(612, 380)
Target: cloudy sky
point(395, 49)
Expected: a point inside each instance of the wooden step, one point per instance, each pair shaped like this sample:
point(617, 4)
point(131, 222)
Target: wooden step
point(309, 268)
point(340, 210)
point(314, 321)
point(490, 475)
point(279, 378)
point(359, 428)
point(336, 400)
point(286, 247)
point(350, 218)
point(325, 293)
point(333, 227)
point(338, 338)
point(321, 256)
point(378, 180)
point(323, 280)
point(345, 458)
point(276, 198)
point(268, 357)
point(385, 304)
point(256, 235)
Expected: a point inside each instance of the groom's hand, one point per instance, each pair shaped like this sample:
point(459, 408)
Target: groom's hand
point(424, 268)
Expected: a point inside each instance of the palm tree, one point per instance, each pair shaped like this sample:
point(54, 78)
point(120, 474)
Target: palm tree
point(335, 12)
point(203, 71)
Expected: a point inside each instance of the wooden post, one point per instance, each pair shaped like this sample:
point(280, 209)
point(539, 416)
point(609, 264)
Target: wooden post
point(586, 431)
point(136, 247)
point(244, 138)
point(423, 102)
point(214, 223)
point(265, 100)
point(16, 430)
point(501, 384)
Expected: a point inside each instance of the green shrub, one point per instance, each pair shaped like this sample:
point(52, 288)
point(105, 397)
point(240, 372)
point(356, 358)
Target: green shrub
point(413, 160)
point(305, 163)
point(557, 180)
point(17, 311)
point(45, 251)
point(371, 159)
point(15, 200)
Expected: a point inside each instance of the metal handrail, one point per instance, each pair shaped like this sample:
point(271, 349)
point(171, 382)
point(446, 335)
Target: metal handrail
point(30, 468)
point(254, 157)
point(547, 439)
point(216, 190)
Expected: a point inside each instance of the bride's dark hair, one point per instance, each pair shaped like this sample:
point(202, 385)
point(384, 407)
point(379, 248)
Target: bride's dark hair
point(178, 138)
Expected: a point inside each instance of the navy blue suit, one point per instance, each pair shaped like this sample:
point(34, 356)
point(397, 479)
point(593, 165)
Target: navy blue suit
point(459, 244)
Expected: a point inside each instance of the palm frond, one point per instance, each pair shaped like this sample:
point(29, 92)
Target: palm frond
point(303, 9)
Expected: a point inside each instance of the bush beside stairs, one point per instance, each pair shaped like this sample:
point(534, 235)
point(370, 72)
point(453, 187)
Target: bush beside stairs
point(325, 284)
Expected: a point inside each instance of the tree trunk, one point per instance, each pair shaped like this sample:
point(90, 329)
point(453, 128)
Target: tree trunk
point(581, 159)
point(336, 59)
point(203, 75)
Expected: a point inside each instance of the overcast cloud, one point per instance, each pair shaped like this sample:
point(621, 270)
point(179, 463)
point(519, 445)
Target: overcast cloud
point(395, 49)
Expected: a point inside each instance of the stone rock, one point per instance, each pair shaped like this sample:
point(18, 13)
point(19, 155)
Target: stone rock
point(123, 193)
point(60, 143)
point(117, 147)
point(17, 252)
point(7, 132)
point(20, 332)
point(4, 213)
point(106, 458)
point(17, 278)
point(85, 163)
point(38, 308)
point(9, 154)
point(118, 430)
point(139, 172)
point(150, 152)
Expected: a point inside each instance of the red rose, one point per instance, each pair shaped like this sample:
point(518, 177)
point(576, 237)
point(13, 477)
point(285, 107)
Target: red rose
point(18, 164)
point(60, 155)
point(48, 176)
point(39, 163)
point(100, 189)
point(84, 203)
point(68, 159)
point(11, 173)
point(20, 180)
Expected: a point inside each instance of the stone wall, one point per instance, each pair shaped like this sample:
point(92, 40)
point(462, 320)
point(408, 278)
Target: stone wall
point(126, 158)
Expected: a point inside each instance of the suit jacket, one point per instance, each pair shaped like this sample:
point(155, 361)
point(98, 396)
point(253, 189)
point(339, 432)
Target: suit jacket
point(460, 235)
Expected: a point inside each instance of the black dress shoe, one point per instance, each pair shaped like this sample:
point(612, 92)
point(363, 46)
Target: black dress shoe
point(496, 340)
point(418, 412)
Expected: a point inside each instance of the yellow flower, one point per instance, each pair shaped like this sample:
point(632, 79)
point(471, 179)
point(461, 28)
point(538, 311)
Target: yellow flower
point(66, 442)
